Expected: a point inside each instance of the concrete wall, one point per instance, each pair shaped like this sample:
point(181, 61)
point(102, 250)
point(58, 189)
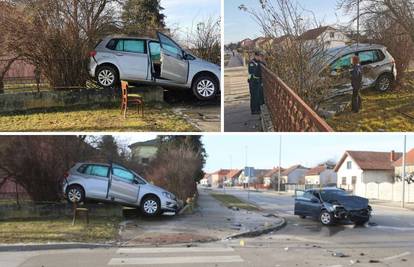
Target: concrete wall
point(387, 191)
point(24, 101)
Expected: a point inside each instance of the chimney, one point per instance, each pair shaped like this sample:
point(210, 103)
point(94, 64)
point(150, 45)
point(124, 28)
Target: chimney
point(392, 156)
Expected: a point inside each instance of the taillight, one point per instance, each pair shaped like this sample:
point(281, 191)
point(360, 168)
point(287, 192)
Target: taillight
point(92, 54)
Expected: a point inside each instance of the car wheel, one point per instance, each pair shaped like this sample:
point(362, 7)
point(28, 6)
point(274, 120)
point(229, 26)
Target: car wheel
point(384, 83)
point(205, 88)
point(107, 76)
point(326, 218)
point(75, 194)
point(151, 206)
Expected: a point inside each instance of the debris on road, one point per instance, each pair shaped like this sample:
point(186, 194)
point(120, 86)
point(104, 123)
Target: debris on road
point(339, 255)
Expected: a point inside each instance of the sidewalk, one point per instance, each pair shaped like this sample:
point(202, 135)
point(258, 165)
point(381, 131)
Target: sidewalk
point(211, 221)
point(237, 115)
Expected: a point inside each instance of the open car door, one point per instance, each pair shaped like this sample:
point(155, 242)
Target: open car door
point(174, 66)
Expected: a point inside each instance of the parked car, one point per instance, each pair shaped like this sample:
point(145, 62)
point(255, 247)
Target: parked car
point(330, 205)
point(161, 62)
point(378, 67)
point(115, 183)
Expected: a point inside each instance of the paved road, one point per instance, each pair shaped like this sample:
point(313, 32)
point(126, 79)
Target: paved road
point(300, 243)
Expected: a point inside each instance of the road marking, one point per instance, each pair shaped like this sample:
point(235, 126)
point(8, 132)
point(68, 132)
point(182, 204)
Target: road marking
point(396, 256)
point(175, 260)
point(172, 250)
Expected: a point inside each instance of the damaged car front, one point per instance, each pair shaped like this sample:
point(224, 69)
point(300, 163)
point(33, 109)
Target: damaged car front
point(330, 205)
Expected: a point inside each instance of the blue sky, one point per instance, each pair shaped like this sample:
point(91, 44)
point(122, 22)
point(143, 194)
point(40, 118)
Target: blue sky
point(238, 25)
point(228, 150)
point(185, 13)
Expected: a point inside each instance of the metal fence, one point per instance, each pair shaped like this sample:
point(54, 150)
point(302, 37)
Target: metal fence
point(289, 113)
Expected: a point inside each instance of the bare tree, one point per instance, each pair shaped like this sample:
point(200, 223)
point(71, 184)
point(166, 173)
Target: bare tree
point(205, 40)
point(57, 35)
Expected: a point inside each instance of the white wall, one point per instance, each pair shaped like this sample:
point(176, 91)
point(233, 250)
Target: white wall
point(343, 171)
point(387, 191)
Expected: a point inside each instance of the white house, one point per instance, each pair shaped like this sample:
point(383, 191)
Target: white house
point(321, 175)
point(144, 152)
point(358, 168)
point(293, 175)
point(330, 36)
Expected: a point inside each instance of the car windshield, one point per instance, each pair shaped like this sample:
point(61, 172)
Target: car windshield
point(328, 195)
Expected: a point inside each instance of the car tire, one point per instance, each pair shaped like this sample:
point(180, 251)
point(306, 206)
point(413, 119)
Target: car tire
point(151, 206)
point(107, 76)
point(75, 194)
point(205, 87)
point(326, 218)
point(384, 83)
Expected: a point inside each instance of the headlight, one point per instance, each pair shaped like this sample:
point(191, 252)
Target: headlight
point(168, 195)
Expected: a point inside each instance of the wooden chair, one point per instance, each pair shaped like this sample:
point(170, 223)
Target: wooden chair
point(130, 98)
point(77, 211)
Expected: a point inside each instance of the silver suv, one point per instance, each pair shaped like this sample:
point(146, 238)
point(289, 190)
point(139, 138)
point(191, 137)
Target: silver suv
point(162, 62)
point(378, 66)
point(115, 183)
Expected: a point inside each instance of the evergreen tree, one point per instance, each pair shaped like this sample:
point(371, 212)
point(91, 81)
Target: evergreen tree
point(108, 146)
point(142, 17)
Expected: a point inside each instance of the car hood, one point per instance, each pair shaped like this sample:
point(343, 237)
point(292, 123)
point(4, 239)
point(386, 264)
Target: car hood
point(351, 202)
point(156, 188)
point(205, 63)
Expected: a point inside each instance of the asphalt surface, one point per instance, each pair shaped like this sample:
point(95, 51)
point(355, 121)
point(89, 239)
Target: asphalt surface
point(205, 115)
point(236, 60)
point(387, 241)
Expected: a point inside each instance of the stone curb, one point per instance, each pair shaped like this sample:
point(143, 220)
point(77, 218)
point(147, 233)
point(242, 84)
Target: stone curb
point(254, 233)
point(53, 246)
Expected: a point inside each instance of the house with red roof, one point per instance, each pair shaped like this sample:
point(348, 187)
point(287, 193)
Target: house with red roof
point(356, 169)
point(322, 174)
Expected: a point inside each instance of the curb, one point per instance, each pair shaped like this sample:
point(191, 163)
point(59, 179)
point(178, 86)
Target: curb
point(392, 207)
point(53, 246)
point(259, 232)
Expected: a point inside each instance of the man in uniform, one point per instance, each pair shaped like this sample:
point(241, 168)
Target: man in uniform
point(356, 81)
point(255, 83)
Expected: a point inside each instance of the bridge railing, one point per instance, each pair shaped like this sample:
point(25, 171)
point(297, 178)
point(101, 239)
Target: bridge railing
point(289, 113)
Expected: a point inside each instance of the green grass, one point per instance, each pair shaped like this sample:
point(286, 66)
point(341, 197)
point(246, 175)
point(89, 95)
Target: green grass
point(157, 118)
point(232, 201)
point(59, 230)
point(381, 112)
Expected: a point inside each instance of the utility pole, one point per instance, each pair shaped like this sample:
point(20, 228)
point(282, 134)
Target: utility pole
point(358, 13)
point(280, 163)
point(248, 175)
point(403, 171)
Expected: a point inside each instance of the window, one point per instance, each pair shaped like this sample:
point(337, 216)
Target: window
point(155, 51)
point(349, 165)
point(342, 63)
point(332, 35)
point(145, 160)
point(308, 195)
point(343, 181)
point(369, 57)
point(128, 45)
point(96, 170)
point(170, 46)
point(354, 178)
point(123, 174)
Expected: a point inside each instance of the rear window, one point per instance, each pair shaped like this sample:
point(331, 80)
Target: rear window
point(94, 170)
point(127, 45)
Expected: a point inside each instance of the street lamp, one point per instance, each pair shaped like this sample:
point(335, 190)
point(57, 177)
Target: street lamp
point(280, 163)
point(358, 12)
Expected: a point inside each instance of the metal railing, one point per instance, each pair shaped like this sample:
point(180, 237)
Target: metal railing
point(289, 113)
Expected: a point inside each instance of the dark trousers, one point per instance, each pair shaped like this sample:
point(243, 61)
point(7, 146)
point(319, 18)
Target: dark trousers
point(256, 95)
point(356, 100)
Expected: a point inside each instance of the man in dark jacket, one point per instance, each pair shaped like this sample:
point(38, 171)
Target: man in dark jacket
point(356, 77)
point(256, 83)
